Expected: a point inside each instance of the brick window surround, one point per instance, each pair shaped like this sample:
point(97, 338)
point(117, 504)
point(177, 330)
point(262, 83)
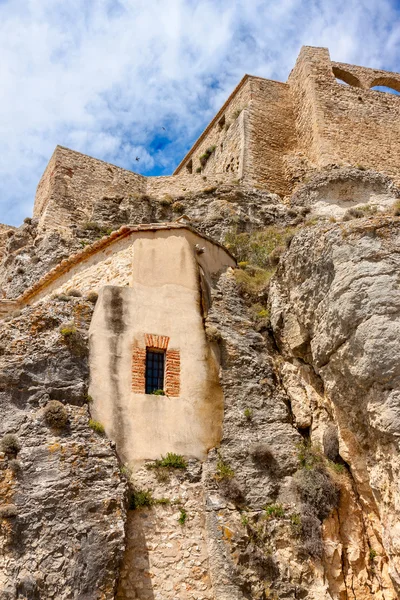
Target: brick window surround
point(172, 365)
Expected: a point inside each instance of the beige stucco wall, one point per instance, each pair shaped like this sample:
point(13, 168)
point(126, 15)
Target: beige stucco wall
point(164, 299)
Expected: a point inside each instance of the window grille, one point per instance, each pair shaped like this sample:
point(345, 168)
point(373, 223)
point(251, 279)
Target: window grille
point(155, 361)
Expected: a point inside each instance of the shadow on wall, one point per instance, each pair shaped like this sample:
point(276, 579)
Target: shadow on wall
point(135, 578)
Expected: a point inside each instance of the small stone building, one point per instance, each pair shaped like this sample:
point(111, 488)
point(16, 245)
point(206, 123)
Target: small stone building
point(154, 376)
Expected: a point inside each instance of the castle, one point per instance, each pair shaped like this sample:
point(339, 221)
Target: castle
point(129, 339)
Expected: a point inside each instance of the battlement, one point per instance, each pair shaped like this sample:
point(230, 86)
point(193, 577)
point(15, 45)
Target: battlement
point(268, 134)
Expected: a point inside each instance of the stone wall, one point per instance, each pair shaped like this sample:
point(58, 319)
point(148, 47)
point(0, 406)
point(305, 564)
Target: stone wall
point(270, 135)
point(166, 558)
point(72, 184)
point(345, 124)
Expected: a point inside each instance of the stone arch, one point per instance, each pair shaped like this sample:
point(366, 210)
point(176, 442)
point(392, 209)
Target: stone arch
point(347, 77)
point(388, 82)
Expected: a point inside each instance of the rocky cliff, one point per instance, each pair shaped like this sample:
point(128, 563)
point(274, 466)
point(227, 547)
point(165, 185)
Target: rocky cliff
point(300, 499)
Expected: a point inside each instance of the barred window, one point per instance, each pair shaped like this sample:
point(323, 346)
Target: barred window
point(155, 362)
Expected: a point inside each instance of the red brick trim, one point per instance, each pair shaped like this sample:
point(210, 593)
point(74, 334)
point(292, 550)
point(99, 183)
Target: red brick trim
point(139, 370)
point(172, 373)
point(156, 341)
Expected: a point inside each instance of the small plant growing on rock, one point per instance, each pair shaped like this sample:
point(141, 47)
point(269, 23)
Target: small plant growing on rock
point(92, 297)
point(224, 471)
point(68, 331)
point(166, 201)
point(182, 517)
point(97, 427)
point(74, 293)
point(178, 207)
point(140, 499)
point(10, 445)
point(55, 414)
point(62, 297)
point(73, 339)
point(8, 511)
point(203, 158)
point(213, 334)
point(198, 170)
point(15, 466)
point(274, 511)
point(158, 393)
point(372, 554)
point(331, 442)
point(248, 414)
point(262, 454)
point(169, 461)
point(396, 208)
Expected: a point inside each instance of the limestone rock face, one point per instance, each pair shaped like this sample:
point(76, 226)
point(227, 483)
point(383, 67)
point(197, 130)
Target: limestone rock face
point(64, 535)
point(335, 308)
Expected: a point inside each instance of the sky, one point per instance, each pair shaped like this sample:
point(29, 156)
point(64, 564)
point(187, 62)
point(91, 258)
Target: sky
point(117, 79)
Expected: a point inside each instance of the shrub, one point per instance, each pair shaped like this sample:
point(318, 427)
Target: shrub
point(88, 398)
point(274, 511)
point(74, 339)
point(310, 534)
point(178, 207)
point(62, 297)
point(182, 517)
point(15, 466)
point(74, 293)
point(248, 414)
point(213, 334)
point(166, 201)
point(309, 456)
point(8, 511)
point(372, 554)
point(396, 208)
point(140, 498)
point(231, 489)
point(158, 393)
point(253, 282)
point(92, 297)
point(169, 461)
point(20, 270)
point(275, 255)
point(204, 157)
point(255, 248)
point(224, 471)
point(198, 170)
point(317, 491)
point(97, 427)
point(353, 213)
point(28, 220)
point(209, 190)
point(10, 444)
point(262, 454)
point(331, 442)
point(55, 414)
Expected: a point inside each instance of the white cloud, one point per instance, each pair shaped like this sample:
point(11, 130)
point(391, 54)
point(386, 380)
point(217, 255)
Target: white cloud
point(104, 77)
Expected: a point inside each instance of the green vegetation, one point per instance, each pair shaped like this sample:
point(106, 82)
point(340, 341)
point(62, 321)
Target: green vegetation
point(97, 427)
point(182, 517)
point(158, 393)
point(143, 498)
point(140, 498)
point(295, 523)
point(224, 471)
point(274, 511)
point(169, 461)
point(198, 170)
point(339, 468)
point(248, 414)
point(68, 331)
point(203, 158)
point(372, 554)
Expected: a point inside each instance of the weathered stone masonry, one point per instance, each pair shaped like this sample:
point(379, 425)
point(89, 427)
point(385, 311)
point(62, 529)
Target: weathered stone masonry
point(268, 134)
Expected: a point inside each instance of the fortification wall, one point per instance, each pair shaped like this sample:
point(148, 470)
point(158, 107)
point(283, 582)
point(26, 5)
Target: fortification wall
point(72, 184)
point(270, 135)
point(345, 124)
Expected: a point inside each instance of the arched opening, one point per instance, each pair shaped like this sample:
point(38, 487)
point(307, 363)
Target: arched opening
point(346, 77)
point(386, 84)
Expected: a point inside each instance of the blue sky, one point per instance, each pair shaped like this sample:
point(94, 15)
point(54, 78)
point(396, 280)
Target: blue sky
point(105, 76)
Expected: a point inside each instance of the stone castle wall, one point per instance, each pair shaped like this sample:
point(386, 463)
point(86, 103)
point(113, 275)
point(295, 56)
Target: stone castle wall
point(345, 124)
point(268, 134)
